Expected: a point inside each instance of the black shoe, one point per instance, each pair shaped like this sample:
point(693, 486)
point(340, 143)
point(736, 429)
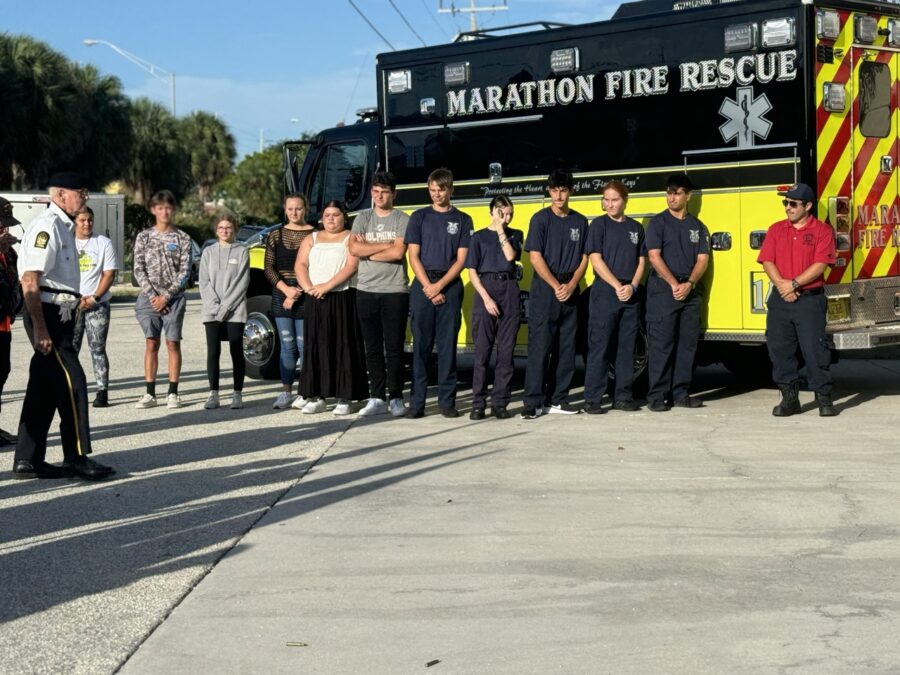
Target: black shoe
point(500, 412)
point(101, 400)
point(790, 400)
point(594, 408)
point(627, 406)
point(529, 413)
point(415, 413)
point(7, 438)
point(476, 414)
point(23, 469)
point(561, 409)
point(826, 407)
point(657, 406)
point(449, 412)
point(87, 469)
point(688, 402)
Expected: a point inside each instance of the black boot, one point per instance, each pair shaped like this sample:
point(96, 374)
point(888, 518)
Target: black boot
point(790, 400)
point(826, 407)
point(101, 400)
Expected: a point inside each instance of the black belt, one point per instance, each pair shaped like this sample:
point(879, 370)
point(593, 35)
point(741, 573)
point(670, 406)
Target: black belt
point(435, 275)
point(499, 276)
point(61, 291)
point(818, 290)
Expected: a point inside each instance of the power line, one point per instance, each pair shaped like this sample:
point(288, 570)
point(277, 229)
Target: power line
point(408, 24)
point(355, 84)
point(371, 25)
point(436, 22)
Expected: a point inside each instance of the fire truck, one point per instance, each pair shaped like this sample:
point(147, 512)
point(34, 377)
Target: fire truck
point(746, 97)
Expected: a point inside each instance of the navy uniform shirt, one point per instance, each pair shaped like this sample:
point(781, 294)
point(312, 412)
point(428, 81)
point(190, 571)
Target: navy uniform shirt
point(440, 235)
point(559, 240)
point(679, 241)
point(486, 254)
point(621, 245)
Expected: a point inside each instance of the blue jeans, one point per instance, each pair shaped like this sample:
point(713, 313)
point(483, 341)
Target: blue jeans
point(290, 332)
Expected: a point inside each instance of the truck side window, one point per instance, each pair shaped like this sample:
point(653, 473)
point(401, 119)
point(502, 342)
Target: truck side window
point(339, 175)
point(874, 99)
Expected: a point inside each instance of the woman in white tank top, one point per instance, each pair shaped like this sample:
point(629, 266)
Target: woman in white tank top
point(334, 364)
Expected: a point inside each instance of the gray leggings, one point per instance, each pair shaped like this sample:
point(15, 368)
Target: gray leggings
point(94, 322)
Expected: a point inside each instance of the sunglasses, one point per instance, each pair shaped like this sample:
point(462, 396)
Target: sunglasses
point(792, 203)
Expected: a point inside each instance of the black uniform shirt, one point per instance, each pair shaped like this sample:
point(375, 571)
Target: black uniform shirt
point(559, 240)
point(486, 254)
point(679, 241)
point(620, 244)
point(440, 235)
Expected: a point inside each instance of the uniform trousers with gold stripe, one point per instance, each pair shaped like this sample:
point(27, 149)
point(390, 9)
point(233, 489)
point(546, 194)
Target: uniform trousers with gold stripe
point(56, 383)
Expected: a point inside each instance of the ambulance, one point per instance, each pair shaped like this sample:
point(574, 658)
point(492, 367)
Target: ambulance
point(746, 97)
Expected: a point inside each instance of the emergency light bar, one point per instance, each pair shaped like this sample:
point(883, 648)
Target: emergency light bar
point(865, 28)
point(778, 32)
point(741, 37)
point(564, 61)
point(828, 24)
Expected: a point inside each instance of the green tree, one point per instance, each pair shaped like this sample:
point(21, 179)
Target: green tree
point(254, 190)
point(210, 151)
point(156, 160)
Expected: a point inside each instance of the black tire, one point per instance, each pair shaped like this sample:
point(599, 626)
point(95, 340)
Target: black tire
point(261, 344)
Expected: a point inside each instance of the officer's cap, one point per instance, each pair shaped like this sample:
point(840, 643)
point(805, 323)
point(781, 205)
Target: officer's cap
point(801, 192)
point(7, 219)
point(680, 180)
point(70, 180)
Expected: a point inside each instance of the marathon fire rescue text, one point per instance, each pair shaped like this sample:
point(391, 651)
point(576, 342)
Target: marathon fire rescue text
point(694, 76)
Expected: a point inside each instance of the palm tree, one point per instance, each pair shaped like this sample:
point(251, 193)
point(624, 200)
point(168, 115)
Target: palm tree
point(156, 160)
point(210, 149)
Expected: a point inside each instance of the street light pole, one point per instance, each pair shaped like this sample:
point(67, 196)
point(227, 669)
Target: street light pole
point(154, 70)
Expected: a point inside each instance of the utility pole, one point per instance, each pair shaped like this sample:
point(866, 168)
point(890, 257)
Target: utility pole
point(472, 9)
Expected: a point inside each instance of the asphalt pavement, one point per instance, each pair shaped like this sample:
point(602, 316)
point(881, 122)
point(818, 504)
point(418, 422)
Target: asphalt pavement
point(711, 540)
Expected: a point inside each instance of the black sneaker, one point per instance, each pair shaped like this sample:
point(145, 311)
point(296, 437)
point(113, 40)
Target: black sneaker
point(500, 412)
point(449, 412)
point(415, 413)
point(563, 409)
point(627, 406)
point(657, 406)
point(7, 438)
point(476, 414)
point(530, 413)
point(688, 402)
point(101, 400)
point(594, 408)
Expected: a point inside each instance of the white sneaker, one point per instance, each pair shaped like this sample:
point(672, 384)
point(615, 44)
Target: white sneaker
point(396, 407)
point(375, 406)
point(561, 409)
point(314, 406)
point(173, 401)
point(342, 408)
point(146, 401)
point(237, 401)
point(298, 403)
point(212, 402)
point(283, 401)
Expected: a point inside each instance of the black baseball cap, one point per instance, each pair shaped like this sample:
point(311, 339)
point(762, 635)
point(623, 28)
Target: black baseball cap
point(7, 219)
point(69, 180)
point(801, 192)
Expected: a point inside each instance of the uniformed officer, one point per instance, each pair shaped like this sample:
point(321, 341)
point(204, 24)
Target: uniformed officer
point(437, 239)
point(491, 262)
point(555, 246)
point(794, 255)
point(48, 267)
point(678, 248)
point(615, 244)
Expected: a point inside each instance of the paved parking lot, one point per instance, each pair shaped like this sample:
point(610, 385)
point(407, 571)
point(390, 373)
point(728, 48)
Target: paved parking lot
point(713, 540)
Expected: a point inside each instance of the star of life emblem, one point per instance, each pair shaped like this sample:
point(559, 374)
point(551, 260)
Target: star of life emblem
point(745, 118)
point(574, 234)
point(695, 236)
point(452, 228)
point(634, 237)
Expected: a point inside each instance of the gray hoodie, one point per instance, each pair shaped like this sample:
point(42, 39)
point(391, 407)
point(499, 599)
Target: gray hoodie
point(224, 280)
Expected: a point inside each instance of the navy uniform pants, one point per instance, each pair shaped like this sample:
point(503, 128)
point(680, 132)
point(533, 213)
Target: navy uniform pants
point(56, 383)
point(673, 329)
point(434, 325)
point(552, 328)
point(800, 323)
point(500, 332)
point(611, 324)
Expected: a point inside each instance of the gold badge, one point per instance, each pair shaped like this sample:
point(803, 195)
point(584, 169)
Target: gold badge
point(41, 240)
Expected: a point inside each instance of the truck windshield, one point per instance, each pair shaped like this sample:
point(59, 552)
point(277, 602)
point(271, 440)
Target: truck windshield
point(339, 174)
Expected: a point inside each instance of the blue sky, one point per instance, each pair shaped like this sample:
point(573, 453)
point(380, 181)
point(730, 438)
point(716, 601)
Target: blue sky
point(261, 64)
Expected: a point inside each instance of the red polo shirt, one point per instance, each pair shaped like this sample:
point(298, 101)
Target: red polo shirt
point(793, 250)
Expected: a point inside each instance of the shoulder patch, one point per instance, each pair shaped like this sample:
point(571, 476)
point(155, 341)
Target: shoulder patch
point(41, 240)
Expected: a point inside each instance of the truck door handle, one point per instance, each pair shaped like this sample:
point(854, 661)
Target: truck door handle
point(720, 241)
point(756, 239)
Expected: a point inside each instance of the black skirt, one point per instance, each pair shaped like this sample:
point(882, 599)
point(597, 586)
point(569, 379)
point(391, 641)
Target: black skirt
point(334, 362)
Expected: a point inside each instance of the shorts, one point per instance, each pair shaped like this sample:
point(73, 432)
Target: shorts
point(153, 323)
